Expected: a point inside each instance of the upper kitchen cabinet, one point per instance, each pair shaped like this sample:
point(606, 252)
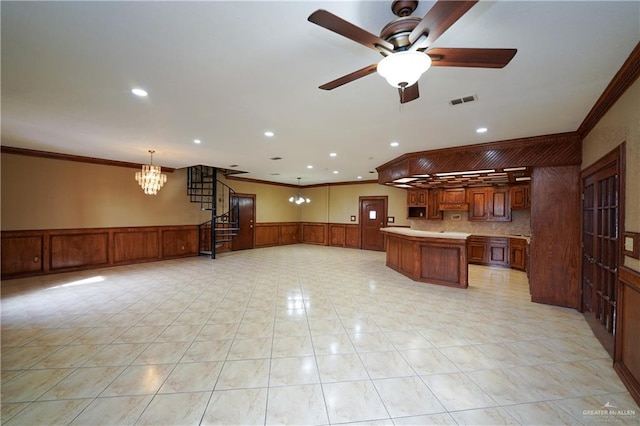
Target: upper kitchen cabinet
point(417, 198)
point(417, 204)
point(453, 199)
point(433, 205)
point(423, 204)
point(521, 197)
point(489, 204)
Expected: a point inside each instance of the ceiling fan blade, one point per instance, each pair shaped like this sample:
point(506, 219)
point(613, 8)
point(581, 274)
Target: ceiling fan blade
point(471, 57)
point(409, 94)
point(439, 18)
point(350, 77)
point(338, 25)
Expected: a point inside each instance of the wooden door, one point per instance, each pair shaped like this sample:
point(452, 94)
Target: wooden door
point(600, 252)
point(247, 212)
point(373, 216)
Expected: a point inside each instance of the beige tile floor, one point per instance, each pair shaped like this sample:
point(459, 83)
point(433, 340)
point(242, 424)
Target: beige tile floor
point(296, 335)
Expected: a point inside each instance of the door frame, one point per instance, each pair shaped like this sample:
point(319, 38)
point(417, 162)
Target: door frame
point(361, 201)
point(614, 158)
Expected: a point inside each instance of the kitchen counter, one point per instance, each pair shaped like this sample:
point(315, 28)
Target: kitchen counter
point(429, 257)
point(417, 233)
point(450, 234)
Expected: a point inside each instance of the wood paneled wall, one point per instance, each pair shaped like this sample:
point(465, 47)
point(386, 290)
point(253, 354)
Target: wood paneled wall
point(48, 251)
point(276, 233)
point(555, 229)
point(26, 253)
point(315, 233)
point(344, 235)
point(627, 346)
point(325, 234)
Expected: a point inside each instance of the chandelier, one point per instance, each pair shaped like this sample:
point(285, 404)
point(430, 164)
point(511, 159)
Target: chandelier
point(299, 199)
point(150, 178)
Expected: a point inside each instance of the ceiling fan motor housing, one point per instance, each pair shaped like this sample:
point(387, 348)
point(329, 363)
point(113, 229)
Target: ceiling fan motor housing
point(403, 8)
point(397, 32)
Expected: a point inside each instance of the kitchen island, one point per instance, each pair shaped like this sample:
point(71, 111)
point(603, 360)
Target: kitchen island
point(430, 257)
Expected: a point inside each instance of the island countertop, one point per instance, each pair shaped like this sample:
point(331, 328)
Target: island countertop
point(429, 257)
point(427, 234)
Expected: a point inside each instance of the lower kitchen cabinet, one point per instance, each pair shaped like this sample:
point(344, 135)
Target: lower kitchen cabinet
point(476, 249)
point(518, 254)
point(498, 251)
point(491, 251)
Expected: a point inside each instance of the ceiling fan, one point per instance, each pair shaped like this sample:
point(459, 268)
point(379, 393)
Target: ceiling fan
point(404, 43)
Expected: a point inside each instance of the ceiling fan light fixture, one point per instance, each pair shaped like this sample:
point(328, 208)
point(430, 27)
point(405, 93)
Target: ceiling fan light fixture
point(403, 69)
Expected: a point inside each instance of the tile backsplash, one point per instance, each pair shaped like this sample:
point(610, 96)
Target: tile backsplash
point(458, 221)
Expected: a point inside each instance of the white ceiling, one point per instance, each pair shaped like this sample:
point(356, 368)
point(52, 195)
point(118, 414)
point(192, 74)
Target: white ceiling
point(225, 72)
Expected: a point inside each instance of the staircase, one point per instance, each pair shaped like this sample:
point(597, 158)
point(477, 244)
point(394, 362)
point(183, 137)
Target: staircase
point(204, 187)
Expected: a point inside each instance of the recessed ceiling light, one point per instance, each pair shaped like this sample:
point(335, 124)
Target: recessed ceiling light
point(335, 172)
point(197, 141)
point(139, 92)
point(359, 177)
point(269, 134)
point(309, 166)
point(333, 154)
point(394, 144)
point(481, 130)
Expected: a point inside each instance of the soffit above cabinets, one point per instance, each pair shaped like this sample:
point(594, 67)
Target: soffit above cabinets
point(465, 178)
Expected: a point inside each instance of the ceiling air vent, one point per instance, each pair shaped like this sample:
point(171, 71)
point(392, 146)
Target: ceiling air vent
point(275, 158)
point(463, 100)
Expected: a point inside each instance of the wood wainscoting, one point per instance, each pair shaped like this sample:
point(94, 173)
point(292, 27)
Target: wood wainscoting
point(270, 234)
point(315, 233)
point(626, 359)
point(60, 250)
point(344, 235)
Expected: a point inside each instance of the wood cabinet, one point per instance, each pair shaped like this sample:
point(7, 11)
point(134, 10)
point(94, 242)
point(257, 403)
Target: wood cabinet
point(423, 204)
point(453, 199)
point(518, 254)
point(493, 251)
point(490, 204)
point(431, 260)
point(497, 251)
point(476, 249)
point(417, 204)
point(433, 205)
point(521, 197)
point(417, 198)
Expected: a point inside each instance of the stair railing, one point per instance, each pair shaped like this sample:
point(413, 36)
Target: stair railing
point(204, 187)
